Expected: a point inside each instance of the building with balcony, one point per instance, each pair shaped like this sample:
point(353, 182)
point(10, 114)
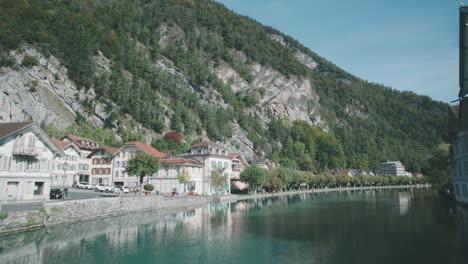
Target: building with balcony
point(102, 164)
point(214, 157)
point(26, 158)
point(124, 154)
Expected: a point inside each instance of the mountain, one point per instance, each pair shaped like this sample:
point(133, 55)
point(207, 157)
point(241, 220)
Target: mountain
point(138, 69)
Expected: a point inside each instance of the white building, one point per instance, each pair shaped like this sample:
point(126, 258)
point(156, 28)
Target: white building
point(26, 156)
point(121, 157)
point(65, 169)
point(394, 168)
point(86, 146)
point(102, 164)
point(213, 156)
point(167, 178)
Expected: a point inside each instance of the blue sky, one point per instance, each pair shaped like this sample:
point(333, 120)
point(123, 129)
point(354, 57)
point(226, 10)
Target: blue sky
point(405, 44)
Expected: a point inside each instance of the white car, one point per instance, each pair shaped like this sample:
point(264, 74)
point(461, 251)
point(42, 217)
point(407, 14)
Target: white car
point(101, 187)
point(109, 189)
point(85, 185)
point(121, 189)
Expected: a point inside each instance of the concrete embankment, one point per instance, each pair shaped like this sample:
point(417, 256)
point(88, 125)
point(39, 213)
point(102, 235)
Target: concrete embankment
point(81, 210)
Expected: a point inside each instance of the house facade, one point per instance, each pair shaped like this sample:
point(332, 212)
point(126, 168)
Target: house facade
point(214, 157)
point(65, 169)
point(121, 158)
point(167, 178)
point(86, 146)
point(238, 164)
point(101, 165)
point(26, 158)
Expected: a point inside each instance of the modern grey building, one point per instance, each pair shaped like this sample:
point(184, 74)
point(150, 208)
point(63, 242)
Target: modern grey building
point(394, 168)
point(458, 119)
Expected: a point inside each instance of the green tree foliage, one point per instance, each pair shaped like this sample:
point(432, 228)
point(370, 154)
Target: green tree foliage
point(439, 166)
point(368, 122)
point(184, 176)
point(255, 176)
point(142, 165)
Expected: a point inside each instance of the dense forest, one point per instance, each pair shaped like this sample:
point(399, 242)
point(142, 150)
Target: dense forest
point(396, 125)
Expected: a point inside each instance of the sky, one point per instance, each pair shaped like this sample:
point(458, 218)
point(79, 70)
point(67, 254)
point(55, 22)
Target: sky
point(409, 45)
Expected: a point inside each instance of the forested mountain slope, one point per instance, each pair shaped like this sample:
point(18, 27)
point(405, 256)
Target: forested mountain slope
point(142, 68)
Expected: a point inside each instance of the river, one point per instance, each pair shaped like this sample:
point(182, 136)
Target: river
point(407, 226)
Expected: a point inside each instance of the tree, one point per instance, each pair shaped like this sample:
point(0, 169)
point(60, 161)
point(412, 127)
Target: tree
point(218, 180)
point(142, 165)
point(439, 166)
point(184, 177)
point(255, 176)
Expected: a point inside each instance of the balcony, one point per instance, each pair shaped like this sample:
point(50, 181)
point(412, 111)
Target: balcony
point(24, 150)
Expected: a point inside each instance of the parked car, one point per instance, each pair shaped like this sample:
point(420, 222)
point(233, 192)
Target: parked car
point(109, 188)
point(85, 185)
point(121, 189)
point(101, 187)
point(55, 194)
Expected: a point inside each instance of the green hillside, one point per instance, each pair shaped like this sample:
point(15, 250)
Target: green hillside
point(387, 124)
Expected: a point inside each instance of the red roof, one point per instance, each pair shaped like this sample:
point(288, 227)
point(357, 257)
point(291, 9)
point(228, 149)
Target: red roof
point(147, 149)
point(181, 161)
point(61, 144)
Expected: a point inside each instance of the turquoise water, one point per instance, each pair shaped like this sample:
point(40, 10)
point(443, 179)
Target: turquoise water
point(348, 227)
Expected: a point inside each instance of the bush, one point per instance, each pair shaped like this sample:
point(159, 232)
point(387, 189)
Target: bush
point(148, 187)
point(29, 62)
point(3, 216)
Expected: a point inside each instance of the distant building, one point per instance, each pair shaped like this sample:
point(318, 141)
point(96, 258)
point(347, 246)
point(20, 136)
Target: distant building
point(238, 164)
point(262, 162)
point(351, 172)
point(26, 156)
point(394, 168)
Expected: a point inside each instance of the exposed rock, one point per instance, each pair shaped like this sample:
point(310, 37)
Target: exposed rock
point(229, 75)
point(42, 93)
point(305, 59)
point(170, 34)
point(353, 110)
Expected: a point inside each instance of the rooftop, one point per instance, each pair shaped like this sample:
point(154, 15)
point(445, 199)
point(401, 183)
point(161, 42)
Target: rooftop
point(208, 144)
point(7, 129)
point(149, 150)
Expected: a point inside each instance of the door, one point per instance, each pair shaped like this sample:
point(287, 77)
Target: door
point(12, 189)
point(38, 188)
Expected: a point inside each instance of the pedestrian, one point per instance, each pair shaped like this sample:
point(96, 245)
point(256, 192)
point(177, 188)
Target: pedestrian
point(65, 193)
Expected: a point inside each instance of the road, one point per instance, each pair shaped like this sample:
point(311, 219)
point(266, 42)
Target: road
point(74, 194)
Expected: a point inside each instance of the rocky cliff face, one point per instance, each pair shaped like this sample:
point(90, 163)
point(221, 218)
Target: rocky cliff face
point(43, 93)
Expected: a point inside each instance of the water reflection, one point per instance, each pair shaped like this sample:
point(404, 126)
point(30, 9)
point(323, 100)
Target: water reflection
point(343, 227)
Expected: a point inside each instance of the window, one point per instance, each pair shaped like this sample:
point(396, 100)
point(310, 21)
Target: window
point(225, 165)
point(220, 165)
point(166, 170)
point(102, 171)
point(108, 171)
point(213, 164)
point(465, 193)
point(177, 169)
point(457, 189)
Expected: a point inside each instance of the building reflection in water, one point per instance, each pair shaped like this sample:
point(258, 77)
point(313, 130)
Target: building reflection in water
point(317, 231)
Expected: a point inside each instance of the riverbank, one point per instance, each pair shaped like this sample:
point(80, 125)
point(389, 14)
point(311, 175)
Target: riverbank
point(65, 212)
